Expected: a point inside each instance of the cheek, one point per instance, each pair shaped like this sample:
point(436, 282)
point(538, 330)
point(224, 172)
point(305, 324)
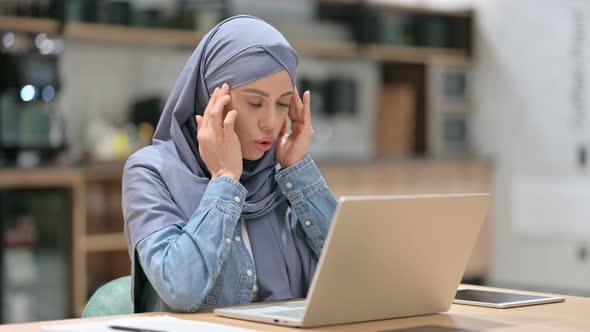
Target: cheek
point(239, 126)
point(232, 106)
point(281, 119)
point(244, 127)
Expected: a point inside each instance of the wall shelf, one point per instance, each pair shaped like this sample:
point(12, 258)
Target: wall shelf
point(337, 49)
point(132, 35)
point(400, 6)
point(419, 9)
point(340, 2)
point(189, 39)
point(185, 38)
point(109, 33)
point(411, 54)
point(29, 24)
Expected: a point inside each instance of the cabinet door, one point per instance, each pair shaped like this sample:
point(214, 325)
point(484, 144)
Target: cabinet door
point(35, 259)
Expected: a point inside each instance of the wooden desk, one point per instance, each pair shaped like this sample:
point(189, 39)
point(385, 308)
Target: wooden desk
point(571, 315)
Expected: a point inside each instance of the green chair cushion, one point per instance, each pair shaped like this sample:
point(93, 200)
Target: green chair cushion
point(112, 298)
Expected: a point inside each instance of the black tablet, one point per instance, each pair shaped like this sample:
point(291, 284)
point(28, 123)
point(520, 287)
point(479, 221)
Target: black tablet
point(500, 299)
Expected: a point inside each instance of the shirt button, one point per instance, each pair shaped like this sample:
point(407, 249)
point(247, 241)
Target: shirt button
point(249, 273)
point(289, 185)
point(228, 240)
point(237, 199)
point(307, 223)
point(238, 238)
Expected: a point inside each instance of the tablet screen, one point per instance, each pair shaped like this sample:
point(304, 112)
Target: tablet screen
point(493, 297)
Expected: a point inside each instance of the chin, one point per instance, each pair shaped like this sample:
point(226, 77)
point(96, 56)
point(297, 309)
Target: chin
point(254, 155)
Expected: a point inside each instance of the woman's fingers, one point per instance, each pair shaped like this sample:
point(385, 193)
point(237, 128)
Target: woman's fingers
point(293, 108)
point(216, 112)
point(297, 98)
point(219, 98)
point(229, 121)
point(306, 109)
point(283, 129)
point(300, 115)
point(212, 102)
point(299, 105)
point(199, 122)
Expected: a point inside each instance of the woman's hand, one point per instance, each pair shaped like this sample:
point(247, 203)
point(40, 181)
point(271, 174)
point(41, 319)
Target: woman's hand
point(294, 146)
point(219, 145)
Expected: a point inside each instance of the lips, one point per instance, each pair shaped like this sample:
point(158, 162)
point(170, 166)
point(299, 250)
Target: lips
point(264, 144)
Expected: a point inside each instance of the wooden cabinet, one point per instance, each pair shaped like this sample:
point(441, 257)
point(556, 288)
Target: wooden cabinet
point(102, 246)
point(97, 243)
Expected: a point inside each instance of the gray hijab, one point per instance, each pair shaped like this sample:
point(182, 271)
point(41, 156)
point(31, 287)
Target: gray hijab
point(239, 50)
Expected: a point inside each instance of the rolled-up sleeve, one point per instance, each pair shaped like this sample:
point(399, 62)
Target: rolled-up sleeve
point(183, 263)
point(310, 198)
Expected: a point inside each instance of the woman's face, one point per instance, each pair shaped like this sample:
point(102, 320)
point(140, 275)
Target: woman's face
point(262, 106)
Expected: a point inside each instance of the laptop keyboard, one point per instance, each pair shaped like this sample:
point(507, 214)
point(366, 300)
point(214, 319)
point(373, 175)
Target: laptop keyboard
point(290, 313)
point(298, 304)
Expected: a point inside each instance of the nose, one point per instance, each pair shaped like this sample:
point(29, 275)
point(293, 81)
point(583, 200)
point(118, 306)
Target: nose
point(267, 119)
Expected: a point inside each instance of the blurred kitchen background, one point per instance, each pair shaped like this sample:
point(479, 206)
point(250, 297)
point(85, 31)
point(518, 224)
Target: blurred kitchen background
point(408, 96)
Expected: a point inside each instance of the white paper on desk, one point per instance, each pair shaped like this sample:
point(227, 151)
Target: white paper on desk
point(163, 323)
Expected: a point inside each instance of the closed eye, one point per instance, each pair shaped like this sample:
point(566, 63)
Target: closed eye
point(283, 105)
point(256, 105)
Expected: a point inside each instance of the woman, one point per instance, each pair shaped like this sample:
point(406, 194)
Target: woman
point(226, 206)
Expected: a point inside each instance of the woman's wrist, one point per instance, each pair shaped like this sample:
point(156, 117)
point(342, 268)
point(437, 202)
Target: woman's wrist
point(229, 174)
point(288, 163)
point(293, 162)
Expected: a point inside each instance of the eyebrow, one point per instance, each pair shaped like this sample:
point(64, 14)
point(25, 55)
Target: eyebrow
point(262, 93)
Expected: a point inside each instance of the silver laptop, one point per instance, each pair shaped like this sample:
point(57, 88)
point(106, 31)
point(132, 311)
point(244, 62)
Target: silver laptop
point(385, 257)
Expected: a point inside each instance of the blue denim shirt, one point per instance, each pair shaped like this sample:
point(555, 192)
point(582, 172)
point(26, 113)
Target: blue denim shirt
point(185, 272)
